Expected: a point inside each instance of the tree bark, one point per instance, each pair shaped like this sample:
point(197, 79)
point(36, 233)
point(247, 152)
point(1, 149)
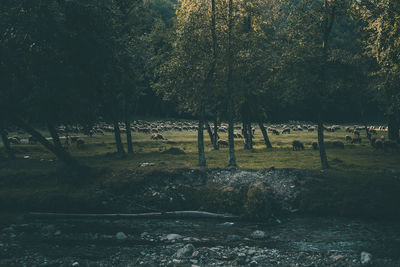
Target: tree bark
point(200, 139)
point(321, 144)
point(59, 152)
point(393, 128)
point(54, 135)
point(265, 135)
point(250, 135)
point(215, 134)
point(209, 131)
point(232, 157)
point(245, 135)
point(327, 25)
point(6, 143)
point(118, 142)
point(129, 136)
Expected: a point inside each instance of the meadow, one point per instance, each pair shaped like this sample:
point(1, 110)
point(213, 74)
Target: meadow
point(359, 173)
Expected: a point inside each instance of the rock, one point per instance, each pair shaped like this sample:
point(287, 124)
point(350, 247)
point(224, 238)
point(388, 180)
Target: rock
point(258, 234)
point(365, 258)
point(75, 264)
point(233, 238)
point(121, 236)
point(185, 252)
point(174, 237)
point(48, 229)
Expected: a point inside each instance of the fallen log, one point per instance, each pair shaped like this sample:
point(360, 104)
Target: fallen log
point(150, 215)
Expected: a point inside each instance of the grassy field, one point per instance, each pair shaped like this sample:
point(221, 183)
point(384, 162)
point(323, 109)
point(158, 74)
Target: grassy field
point(358, 157)
point(359, 173)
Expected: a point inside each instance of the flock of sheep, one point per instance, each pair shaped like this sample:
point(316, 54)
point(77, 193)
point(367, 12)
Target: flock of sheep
point(155, 129)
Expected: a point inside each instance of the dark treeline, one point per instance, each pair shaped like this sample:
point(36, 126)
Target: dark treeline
point(80, 62)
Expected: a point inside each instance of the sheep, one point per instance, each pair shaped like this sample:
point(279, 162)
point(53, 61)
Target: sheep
point(378, 144)
point(338, 144)
point(286, 130)
point(348, 138)
point(74, 139)
point(80, 142)
point(276, 132)
point(237, 135)
point(297, 145)
point(389, 144)
point(311, 129)
point(13, 140)
point(32, 140)
point(357, 132)
point(157, 136)
point(314, 145)
point(221, 142)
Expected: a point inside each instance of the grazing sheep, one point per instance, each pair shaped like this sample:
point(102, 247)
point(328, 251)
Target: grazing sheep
point(356, 140)
point(286, 130)
point(14, 140)
point(314, 145)
point(157, 136)
point(276, 132)
point(378, 144)
point(80, 143)
point(357, 132)
point(297, 145)
point(32, 140)
point(237, 135)
point(221, 142)
point(349, 138)
point(311, 129)
point(338, 144)
point(74, 139)
point(390, 145)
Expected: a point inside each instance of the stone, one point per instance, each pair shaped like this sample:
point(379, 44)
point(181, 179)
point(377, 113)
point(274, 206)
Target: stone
point(365, 258)
point(258, 234)
point(75, 264)
point(121, 236)
point(174, 237)
point(233, 238)
point(185, 252)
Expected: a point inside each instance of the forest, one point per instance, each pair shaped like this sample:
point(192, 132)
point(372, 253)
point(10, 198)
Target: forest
point(250, 111)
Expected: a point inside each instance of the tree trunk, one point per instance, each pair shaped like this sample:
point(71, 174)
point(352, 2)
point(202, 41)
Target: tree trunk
point(58, 151)
point(215, 135)
point(321, 144)
point(6, 143)
point(200, 139)
point(118, 142)
point(265, 135)
point(393, 128)
point(210, 134)
point(232, 157)
point(245, 133)
point(129, 136)
point(250, 135)
point(54, 135)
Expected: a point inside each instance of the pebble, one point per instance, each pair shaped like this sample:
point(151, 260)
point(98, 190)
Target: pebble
point(185, 252)
point(233, 238)
point(121, 236)
point(174, 237)
point(365, 258)
point(258, 234)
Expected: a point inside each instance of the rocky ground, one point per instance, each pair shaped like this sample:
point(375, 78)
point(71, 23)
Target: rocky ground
point(287, 238)
point(296, 241)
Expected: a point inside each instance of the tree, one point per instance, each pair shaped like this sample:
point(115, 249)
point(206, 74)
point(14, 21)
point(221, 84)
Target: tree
point(383, 30)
